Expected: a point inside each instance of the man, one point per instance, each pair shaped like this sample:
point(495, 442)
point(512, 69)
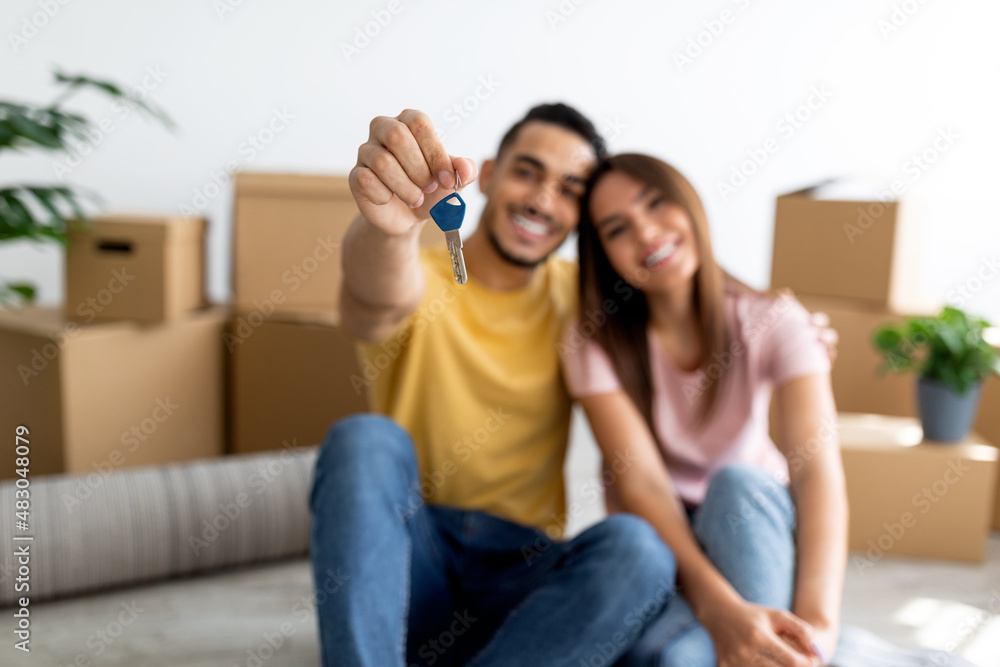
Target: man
point(445, 520)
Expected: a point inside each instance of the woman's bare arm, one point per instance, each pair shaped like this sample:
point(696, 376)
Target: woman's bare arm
point(807, 436)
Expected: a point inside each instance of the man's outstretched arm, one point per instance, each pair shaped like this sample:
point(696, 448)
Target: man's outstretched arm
point(402, 170)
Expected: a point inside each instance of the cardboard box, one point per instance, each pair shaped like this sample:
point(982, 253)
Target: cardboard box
point(143, 268)
point(913, 497)
point(858, 386)
point(117, 394)
point(988, 418)
point(988, 423)
point(290, 378)
point(287, 231)
point(861, 250)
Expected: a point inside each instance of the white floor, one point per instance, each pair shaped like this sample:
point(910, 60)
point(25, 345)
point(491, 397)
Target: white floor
point(238, 617)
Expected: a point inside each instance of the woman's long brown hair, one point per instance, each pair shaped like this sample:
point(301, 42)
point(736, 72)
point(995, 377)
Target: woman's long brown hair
point(623, 334)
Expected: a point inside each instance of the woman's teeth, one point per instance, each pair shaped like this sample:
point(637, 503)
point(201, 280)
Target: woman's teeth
point(660, 255)
point(530, 226)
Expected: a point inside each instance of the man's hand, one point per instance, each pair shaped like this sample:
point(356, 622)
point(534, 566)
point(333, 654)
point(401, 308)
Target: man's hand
point(401, 162)
point(821, 321)
point(827, 335)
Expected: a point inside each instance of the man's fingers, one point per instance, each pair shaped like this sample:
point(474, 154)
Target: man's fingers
point(366, 186)
point(404, 157)
point(386, 167)
point(819, 319)
point(829, 336)
point(397, 138)
point(434, 157)
point(466, 168)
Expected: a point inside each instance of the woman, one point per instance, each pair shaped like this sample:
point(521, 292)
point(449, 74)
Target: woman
point(677, 379)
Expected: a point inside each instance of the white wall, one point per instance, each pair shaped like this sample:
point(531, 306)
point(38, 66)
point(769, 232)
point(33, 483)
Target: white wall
point(224, 74)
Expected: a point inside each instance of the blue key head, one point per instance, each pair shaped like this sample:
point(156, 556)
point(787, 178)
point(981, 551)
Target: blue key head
point(449, 212)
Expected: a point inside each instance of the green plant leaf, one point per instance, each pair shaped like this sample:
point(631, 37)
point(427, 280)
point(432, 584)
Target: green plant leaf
point(12, 108)
point(35, 132)
point(60, 202)
point(948, 348)
point(29, 126)
point(17, 214)
point(951, 338)
point(19, 124)
point(56, 235)
point(69, 123)
point(920, 330)
point(70, 197)
point(948, 376)
point(952, 314)
point(77, 81)
point(27, 291)
point(7, 134)
point(11, 292)
point(44, 196)
point(887, 338)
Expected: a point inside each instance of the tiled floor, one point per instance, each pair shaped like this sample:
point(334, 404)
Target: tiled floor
point(261, 616)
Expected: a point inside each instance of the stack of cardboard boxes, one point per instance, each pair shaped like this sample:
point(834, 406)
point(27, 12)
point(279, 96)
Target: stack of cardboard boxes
point(293, 371)
point(857, 262)
point(137, 368)
point(130, 370)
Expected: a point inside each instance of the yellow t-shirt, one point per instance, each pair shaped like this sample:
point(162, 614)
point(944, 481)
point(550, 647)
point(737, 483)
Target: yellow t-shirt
point(473, 375)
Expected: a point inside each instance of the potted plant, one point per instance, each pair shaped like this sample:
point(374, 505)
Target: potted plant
point(43, 212)
point(951, 359)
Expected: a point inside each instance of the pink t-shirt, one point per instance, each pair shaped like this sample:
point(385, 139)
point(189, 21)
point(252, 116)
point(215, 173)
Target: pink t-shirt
point(771, 342)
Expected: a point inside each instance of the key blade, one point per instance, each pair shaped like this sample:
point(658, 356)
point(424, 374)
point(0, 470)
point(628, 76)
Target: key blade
point(457, 258)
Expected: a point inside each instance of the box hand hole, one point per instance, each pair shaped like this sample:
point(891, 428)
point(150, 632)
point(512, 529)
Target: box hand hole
point(123, 247)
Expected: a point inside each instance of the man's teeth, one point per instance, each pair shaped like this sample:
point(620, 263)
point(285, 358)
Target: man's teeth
point(661, 254)
point(530, 226)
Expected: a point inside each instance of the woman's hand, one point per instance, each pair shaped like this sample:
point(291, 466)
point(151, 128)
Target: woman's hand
point(825, 638)
point(747, 634)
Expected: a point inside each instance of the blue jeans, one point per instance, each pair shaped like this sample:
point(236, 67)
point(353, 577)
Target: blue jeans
point(399, 582)
point(746, 528)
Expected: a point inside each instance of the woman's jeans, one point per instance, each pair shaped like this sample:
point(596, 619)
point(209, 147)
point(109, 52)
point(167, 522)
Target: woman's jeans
point(399, 582)
point(746, 526)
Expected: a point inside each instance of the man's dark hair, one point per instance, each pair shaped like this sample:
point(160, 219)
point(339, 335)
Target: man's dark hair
point(562, 115)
